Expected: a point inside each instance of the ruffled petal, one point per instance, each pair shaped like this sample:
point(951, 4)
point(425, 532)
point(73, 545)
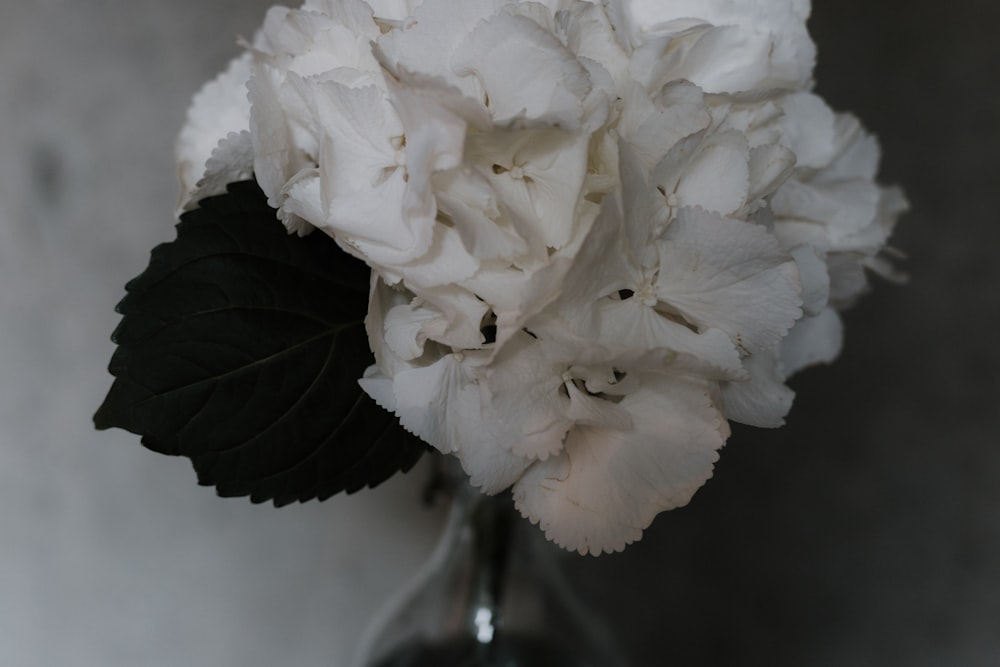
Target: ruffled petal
point(231, 161)
point(527, 382)
point(365, 137)
point(525, 71)
point(754, 45)
point(609, 484)
point(633, 328)
point(441, 404)
point(588, 33)
point(322, 36)
point(276, 157)
point(218, 109)
point(538, 174)
point(466, 199)
point(714, 175)
point(652, 126)
point(426, 40)
point(722, 273)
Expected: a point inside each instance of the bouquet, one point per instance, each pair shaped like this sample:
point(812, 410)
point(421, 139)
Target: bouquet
point(565, 241)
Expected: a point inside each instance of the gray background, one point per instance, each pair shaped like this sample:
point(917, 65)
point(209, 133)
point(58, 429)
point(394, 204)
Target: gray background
point(866, 532)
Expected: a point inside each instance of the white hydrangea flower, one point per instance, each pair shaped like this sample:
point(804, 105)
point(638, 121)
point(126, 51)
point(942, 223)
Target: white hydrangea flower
point(598, 230)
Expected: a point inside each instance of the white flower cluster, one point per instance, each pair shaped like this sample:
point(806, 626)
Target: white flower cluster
point(598, 229)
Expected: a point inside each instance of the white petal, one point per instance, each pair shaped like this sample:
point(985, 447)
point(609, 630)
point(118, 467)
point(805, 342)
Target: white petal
point(808, 129)
point(407, 328)
point(716, 176)
point(770, 165)
point(723, 273)
point(491, 469)
point(607, 487)
point(848, 279)
point(446, 262)
point(857, 152)
point(276, 157)
point(321, 37)
point(603, 264)
point(646, 211)
point(653, 127)
point(524, 390)
point(231, 161)
point(467, 200)
point(389, 10)
point(426, 40)
point(589, 34)
point(370, 219)
point(758, 44)
point(460, 315)
point(379, 387)
point(813, 340)
point(381, 300)
point(631, 329)
point(538, 174)
point(360, 125)
point(761, 400)
point(435, 118)
point(588, 410)
point(814, 277)
point(220, 107)
point(525, 71)
point(424, 398)
point(516, 296)
point(842, 207)
point(441, 404)
point(726, 59)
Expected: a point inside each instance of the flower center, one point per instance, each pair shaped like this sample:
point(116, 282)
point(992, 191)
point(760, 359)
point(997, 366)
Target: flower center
point(399, 150)
point(646, 291)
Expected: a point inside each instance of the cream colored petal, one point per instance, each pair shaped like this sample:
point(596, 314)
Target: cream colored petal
point(609, 484)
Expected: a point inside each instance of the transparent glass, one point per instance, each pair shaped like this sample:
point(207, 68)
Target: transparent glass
point(491, 595)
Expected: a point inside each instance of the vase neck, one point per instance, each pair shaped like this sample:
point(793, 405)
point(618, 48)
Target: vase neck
point(482, 542)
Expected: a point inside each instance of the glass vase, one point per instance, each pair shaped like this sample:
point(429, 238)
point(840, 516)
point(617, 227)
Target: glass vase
point(491, 595)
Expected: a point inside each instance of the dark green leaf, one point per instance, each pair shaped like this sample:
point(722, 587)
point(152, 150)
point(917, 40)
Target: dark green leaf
point(240, 347)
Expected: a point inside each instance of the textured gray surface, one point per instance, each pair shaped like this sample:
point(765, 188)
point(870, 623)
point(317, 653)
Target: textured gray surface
point(866, 532)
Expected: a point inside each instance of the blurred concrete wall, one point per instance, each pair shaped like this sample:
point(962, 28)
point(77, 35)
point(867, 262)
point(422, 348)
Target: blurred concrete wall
point(866, 532)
